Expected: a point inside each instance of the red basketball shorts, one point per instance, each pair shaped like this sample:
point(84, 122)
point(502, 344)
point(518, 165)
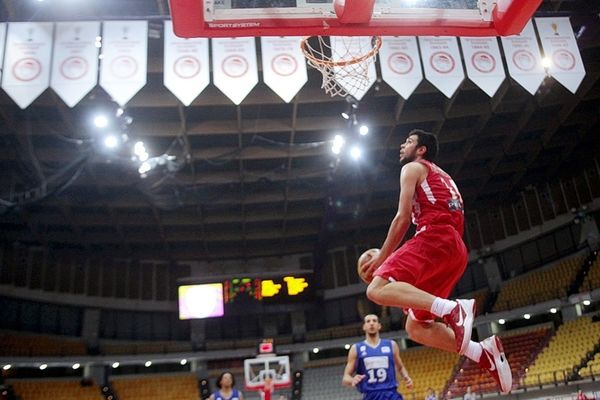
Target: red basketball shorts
point(433, 260)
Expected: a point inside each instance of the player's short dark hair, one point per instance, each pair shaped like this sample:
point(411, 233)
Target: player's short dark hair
point(366, 315)
point(429, 140)
point(220, 378)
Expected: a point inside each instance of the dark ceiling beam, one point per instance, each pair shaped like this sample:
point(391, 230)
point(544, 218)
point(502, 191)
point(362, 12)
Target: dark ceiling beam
point(171, 129)
point(476, 131)
point(591, 78)
point(188, 149)
point(288, 169)
point(161, 231)
point(242, 174)
point(245, 153)
point(108, 207)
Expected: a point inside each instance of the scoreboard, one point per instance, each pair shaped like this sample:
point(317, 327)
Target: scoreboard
point(270, 290)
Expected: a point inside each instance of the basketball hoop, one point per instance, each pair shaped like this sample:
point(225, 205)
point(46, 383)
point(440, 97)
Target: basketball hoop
point(343, 61)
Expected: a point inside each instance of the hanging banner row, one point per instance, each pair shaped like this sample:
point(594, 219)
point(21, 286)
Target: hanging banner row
point(65, 57)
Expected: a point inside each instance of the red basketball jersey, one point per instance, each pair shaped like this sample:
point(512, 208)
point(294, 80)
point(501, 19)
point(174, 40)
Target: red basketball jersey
point(437, 201)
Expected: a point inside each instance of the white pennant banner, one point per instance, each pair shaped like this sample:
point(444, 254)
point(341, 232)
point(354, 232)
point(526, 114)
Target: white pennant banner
point(560, 47)
point(2, 41)
point(523, 59)
point(284, 65)
point(441, 62)
point(27, 61)
point(343, 47)
point(186, 65)
point(483, 62)
point(235, 71)
point(400, 64)
point(124, 59)
point(75, 62)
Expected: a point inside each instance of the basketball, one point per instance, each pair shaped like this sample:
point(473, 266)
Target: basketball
point(364, 257)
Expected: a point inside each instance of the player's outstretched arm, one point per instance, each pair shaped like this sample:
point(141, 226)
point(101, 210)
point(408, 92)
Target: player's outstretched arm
point(349, 380)
point(400, 368)
point(409, 177)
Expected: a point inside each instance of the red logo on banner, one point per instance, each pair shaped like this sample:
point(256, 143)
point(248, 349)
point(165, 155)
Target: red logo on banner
point(442, 62)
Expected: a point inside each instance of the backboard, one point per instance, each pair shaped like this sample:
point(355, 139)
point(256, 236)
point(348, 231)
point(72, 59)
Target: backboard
point(235, 18)
point(275, 367)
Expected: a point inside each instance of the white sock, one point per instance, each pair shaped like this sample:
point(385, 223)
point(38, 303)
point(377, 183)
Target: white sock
point(474, 351)
point(441, 307)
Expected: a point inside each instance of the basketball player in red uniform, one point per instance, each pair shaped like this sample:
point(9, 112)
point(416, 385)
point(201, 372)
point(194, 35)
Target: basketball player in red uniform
point(421, 274)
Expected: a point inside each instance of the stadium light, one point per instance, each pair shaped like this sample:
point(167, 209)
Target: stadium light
point(355, 153)
point(100, 121)
point(111, 141)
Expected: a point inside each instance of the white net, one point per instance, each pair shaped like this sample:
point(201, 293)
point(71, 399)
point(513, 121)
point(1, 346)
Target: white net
point(344, 61)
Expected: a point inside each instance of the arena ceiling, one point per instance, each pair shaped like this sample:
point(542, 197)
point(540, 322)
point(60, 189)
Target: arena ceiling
point(259, 179)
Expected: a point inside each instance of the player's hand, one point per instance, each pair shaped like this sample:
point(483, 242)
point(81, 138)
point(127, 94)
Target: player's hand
point(408, 382)
point(356, 379)
point(372, 264)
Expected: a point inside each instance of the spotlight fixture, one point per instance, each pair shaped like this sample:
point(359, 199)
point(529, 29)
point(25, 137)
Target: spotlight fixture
point(347, 346)
point(363, 130)
point(100, 121)
point(587, 302)
point(338, 143)
point(527, 316)
point(316, 350)
point(148, 364)
point(501, 321)
point(43, 366)
point(111, 141)
point(355, 152)
point(76, 366)
point(115, 364)
point(553, 310)
point(6, 367)
point(183, 362)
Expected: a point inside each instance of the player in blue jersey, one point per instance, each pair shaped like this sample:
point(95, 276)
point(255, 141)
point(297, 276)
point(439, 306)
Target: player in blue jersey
point(225, 383)
point(373, 363)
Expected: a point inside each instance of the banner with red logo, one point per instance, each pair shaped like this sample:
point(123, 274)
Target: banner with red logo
point(235, 71)
point(284, 65)
point(400, 64)
point(124, 59)
point(441, 62)
point(186, 65)
point(560, 48)
point(75, 61)
point(523, 59)
point(483, 62)
point(27, 61)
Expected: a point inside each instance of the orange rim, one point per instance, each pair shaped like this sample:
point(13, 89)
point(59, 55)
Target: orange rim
point(329, 64)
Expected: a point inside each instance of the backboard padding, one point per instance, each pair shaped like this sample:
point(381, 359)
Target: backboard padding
point(235, 18)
